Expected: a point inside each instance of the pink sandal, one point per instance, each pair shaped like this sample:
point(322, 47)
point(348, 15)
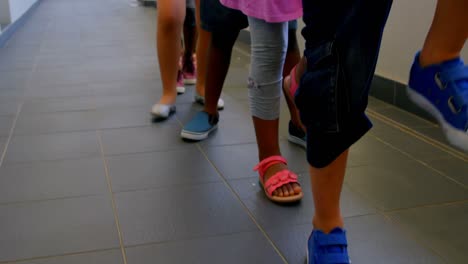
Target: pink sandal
point(279, 179)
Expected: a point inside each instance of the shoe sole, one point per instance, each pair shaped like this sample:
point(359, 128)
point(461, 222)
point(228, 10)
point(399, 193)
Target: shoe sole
point(190, 81)
point(197, 136)
point(180, 90)
point(454, 136)
point(297, 141)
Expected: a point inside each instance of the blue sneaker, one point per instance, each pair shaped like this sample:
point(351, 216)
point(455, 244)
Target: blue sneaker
point(442, 90)
point(201, 125)
point(296, 135)
point(328, 248)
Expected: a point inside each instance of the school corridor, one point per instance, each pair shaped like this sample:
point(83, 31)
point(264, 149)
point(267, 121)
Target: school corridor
point(87, 177)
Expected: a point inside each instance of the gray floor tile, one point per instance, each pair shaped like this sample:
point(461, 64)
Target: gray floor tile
point(159, 137)
point(8, 107)
point(372, 239)
point(59, 90)
point(442, 228)
point(454, 168)
point(104, 257)
point(6, 123)
point(231, 132)
point(53, 147)
point(238, 161)
point(160, 169)
point(42, 123)
point(409, 144)
point(56, 227)
point(151, 88)
point(57, 77)
point(181, 212)
point(66, 104)
point(270, 215)
point(370, 151)
point(124, 117)
point(51, 180)
point(239, 248)
point(402, 185)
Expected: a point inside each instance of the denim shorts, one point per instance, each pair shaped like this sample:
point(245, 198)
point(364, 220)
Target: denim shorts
point(216, 17)
point(342, 45)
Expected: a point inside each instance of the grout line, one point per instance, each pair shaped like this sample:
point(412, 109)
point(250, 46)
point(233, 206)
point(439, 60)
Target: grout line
point(114, 207)
point(425, 206)
point(441, 146)
point(419, 161)
point(250, 214)
point(58, 256)
point(10, 135)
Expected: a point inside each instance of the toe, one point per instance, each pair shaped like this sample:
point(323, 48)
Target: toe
point(297, 188)
point(279, 192)
point(291, 189)
point(285, 190)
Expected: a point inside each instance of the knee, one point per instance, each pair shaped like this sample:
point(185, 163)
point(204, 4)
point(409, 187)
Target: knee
point(170, 21)
point(265, 99)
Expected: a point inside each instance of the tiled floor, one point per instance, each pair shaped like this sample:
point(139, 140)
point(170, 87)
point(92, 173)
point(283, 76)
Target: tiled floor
point(87, 177)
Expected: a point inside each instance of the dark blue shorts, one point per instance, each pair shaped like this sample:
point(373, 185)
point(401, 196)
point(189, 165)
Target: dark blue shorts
point(216, 17)
point(342, 45)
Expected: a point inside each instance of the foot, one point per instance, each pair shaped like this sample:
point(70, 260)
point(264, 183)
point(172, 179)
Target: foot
point(329, 248)
point(442, 90)
point(189, 71)
point(200, 127)
point(296, 130)
point(289, 189)
point(199, 99)
point(163, 111)
point(296, 135)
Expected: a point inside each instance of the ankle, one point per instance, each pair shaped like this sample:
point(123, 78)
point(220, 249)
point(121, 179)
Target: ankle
point(428, 58)
point(328, 224)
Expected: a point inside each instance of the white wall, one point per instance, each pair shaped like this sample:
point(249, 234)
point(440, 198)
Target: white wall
point(4, 12)
point(19, 7)
point(404, 35)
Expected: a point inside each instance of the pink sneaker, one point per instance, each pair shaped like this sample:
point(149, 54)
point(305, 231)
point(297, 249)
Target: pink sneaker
point(190, 74)
point(180, 83)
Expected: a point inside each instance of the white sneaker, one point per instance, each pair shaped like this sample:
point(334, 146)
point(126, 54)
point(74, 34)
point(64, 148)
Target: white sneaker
point(163, 111)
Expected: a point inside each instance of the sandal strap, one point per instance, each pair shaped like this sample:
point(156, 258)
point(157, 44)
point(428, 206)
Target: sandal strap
point(263, 166)
point(332, 240)
point(334, 258)
point(279, 179)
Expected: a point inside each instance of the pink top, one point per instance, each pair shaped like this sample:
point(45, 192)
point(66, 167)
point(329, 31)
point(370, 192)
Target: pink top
point(273, 11)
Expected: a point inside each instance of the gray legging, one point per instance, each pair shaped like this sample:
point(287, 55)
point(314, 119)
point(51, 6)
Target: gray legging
point(269, 44)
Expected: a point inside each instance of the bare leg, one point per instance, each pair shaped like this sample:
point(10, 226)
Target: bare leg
point(448, 33)
point(219, 59)
point(204, 39)
point(190, 39)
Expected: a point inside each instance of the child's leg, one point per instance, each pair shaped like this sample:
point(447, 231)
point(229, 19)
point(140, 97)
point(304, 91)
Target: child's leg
point(190, 39)
point(171, 15)
point(439, 79)
point(448, 32)
point(224, 25)
point(219, 59)
point(269, 44)
point(204, 39)
point(341, 56)
point(293, 56)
